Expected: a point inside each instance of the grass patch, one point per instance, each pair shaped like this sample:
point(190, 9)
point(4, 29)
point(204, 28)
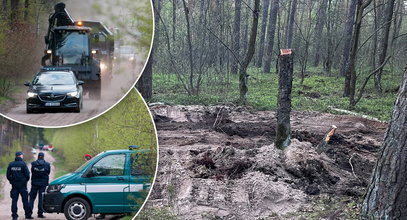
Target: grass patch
point(317, 93)
point(59, 164)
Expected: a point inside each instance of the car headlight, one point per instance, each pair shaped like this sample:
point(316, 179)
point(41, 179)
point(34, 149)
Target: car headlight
point(72, 94)
point(55, 188)
point(31, 94)
point(102, 66)
point(131, 58)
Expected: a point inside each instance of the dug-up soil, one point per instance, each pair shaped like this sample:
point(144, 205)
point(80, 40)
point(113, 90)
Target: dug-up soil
point(220, 162)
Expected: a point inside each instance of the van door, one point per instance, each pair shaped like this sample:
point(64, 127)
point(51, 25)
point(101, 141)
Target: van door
point(141, 176)
point(107, 184)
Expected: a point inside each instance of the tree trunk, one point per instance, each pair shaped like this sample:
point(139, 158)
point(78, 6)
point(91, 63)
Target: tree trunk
point(26, 9)
point(270, 36)
point(348, 38)
point(174, 18)
point(350, 76)
point(145, 82)
point(250, 52)
point(14, 10)
point(383, 44)
point(236, 36)
point(4, 6)
point(260, 47)
point(290, 25)
point(285, 81)
point(318, 30)
point(386, 197)
point(190, 49)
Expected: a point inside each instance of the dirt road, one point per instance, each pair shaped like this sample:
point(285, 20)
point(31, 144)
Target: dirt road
point(5, 202)
point(219, 162)
point(113, 89)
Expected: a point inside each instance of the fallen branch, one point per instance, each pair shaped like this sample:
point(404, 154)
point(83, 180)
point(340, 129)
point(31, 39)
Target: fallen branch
point(351, 165)
point(217, 116)
point(355, 114)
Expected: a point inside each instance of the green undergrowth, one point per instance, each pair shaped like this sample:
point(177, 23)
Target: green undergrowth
point(318, 92)
point(59, 164)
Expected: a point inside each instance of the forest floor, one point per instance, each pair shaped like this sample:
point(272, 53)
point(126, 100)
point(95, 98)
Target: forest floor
point(219, 162)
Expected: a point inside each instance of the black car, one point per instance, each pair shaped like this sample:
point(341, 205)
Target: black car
point(54, 88)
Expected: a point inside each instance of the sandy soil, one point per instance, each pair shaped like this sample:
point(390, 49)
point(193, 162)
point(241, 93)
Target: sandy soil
point(5, 203)
point(114, 86)
point(220, 162)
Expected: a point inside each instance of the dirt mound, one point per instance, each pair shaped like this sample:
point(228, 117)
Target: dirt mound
point(219, 162)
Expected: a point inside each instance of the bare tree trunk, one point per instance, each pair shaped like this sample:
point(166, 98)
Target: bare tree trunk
point(290, 25)
point(145, 82)
point(348, 38)
point(318, 30)
point(386, 197)
point(4, 6)
point(260, 47)
point(26, 9)
point(384, 42)
point(250, 52)
point(350, 76)
point(328, 59)
point(174, 18)
point(270, 36)
point(285, 80)
point(236, 36)
point(14, 10)
point(190, 53)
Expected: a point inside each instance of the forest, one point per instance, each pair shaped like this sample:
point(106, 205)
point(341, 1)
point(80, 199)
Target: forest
point(347, 54)
point(216, 86)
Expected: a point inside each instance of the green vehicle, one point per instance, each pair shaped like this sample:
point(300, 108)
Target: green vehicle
point(112, 182)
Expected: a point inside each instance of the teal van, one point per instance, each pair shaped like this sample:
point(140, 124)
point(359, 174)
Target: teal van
point(112, 182)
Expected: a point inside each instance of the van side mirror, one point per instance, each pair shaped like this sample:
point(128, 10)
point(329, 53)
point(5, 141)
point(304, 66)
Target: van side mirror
point(80, 82)
point(89, 173)
point(27, 84)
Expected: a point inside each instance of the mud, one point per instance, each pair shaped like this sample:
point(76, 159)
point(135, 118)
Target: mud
point(220, 162)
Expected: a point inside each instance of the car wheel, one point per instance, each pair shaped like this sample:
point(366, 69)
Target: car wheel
point(29, 110)
point(77, 209)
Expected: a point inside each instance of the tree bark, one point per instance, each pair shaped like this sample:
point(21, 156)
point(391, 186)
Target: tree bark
point(145, 82)
point(14, 10)
point(285, 80)
point(26, 9)
point(250, 52)
point(290, 25)
point(318, 30)
point(386, 197)
point(260, 47)
point(348, 37)
point(4, 6)
point(270, 36)
point(190, 49)
point(384, 42)
point(174, 18)
point(236, 36)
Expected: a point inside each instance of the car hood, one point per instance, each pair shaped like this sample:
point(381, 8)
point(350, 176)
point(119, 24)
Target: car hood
point(53, 88)
point(66, 179)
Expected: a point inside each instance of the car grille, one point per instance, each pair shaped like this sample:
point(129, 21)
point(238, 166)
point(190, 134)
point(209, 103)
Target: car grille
point(50, 97)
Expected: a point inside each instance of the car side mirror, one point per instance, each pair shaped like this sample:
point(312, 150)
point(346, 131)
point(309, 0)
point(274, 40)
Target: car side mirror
point(81, 83)
point(89, 173)
point(27, 84)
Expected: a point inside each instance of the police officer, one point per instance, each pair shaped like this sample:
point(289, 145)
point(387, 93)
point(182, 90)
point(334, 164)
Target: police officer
point(18, 176)
point(40, 170)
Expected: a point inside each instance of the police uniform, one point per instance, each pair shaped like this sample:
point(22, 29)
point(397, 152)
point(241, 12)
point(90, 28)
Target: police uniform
point(40, 170)
point(18, 176)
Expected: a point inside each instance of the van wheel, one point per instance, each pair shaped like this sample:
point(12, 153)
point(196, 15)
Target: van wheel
point(77, 209)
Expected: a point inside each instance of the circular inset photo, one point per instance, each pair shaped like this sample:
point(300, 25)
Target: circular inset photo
point(100, 169)
point(62, 63)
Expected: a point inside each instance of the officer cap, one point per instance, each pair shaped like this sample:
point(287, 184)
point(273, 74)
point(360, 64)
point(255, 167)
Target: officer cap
point(18, 153)
point(40, 154)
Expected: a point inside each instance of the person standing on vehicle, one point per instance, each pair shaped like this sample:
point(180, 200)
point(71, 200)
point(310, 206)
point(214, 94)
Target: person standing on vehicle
point(18, 176)
point(40, 170)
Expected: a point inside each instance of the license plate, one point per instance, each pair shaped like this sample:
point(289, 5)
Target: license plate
point(52, 104)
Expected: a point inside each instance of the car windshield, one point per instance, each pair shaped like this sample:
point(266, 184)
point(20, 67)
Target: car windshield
point(54, 78)
point(73, 47)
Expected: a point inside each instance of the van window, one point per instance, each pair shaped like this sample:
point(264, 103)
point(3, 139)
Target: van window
point(112, 165)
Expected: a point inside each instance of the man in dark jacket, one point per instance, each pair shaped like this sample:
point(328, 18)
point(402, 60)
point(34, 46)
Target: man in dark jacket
point(40, 170)
point(18, 176)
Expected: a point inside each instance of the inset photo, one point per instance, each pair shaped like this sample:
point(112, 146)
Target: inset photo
point(63, 63)
point(100, 169)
